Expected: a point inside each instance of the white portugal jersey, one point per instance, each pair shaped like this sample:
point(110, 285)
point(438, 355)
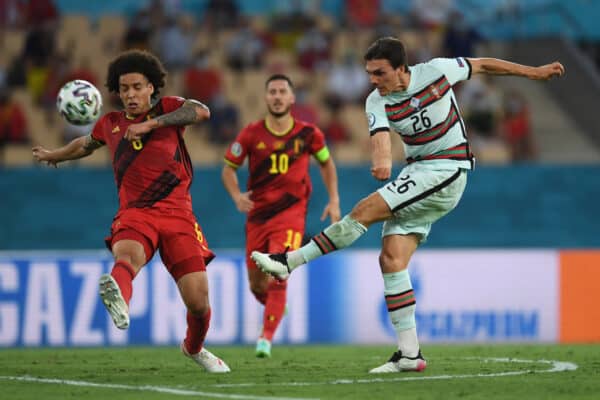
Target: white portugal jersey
point(426, 114)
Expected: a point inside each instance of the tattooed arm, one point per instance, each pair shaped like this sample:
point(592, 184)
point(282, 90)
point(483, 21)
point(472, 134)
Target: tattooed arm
point(76, 148)
point(191, 112)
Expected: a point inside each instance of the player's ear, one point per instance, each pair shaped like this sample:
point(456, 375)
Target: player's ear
point(400, 70)
point(151, 86)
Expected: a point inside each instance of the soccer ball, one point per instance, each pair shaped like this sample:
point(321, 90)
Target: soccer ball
point(79, 102)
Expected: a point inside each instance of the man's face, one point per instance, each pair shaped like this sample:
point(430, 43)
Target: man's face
point(135, 92)
point(384, 77)
point(279, 97)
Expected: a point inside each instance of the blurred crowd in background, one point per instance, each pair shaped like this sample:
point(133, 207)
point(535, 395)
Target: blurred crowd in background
point(221, 56)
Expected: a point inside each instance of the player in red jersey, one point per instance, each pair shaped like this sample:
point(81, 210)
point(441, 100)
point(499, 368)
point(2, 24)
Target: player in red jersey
point(153, 174)
point(278, 148)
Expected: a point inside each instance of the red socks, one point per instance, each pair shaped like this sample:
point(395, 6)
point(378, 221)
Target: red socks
point(274, 308)
point(197, 327)
point(124, 273)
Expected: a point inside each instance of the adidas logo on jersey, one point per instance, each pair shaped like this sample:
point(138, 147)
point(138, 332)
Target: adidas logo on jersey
point(261, 146)
point(116, 129)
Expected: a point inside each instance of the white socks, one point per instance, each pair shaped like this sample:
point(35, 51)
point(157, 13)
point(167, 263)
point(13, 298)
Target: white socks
point(400, 299)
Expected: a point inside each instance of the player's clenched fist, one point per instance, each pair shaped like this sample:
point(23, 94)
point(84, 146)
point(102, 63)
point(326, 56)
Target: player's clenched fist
point(549, 71)
point(381, 173)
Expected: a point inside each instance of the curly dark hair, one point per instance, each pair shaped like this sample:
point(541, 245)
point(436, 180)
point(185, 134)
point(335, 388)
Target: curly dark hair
point(139, 61)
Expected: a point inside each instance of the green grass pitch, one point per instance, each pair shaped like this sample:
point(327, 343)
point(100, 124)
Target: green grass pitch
point(303, 372)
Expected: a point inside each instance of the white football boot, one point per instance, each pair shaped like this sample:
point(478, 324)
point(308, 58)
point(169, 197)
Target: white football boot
point(113, 301)
point(207, 360)
point(399, 363)
point(272, 264)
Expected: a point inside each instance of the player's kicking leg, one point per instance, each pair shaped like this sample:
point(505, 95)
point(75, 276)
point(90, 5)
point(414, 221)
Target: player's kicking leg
point(336, 236)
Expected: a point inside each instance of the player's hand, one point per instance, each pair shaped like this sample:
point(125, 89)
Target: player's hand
point(243, 202)
point(381, 173)
point(549, 71)
point(41, 154)
point(136, 131)
point(332, 209)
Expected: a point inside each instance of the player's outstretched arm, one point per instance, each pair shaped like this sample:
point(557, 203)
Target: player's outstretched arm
point(495, 66)
point(76, 148)
point(190, 112)
point(381, 155)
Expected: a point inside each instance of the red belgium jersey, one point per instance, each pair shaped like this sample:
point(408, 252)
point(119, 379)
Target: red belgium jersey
point(278, 165)
point(154, 171)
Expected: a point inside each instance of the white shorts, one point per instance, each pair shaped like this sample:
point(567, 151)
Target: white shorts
point(421, 195)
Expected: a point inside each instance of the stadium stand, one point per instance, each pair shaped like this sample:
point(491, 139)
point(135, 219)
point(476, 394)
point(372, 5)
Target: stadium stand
point(104, 34)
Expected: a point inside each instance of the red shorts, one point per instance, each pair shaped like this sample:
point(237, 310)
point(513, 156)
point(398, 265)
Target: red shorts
point(183, 248)
point(280, 233)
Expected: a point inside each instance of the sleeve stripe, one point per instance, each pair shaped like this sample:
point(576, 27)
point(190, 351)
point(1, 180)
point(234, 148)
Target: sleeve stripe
point(231, 164)
point(322, 155)
point(377, 130)
point(470, 68)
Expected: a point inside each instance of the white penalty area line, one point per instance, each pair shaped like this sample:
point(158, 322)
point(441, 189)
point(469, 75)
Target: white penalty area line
point(555, 366)
point(146, 388)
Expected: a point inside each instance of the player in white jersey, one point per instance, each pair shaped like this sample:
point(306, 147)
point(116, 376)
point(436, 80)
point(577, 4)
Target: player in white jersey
point(419, 104)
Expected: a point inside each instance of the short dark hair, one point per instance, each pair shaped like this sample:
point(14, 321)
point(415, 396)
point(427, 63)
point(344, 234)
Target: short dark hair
point(388, 48)
point(139, 61)
point(279, 77)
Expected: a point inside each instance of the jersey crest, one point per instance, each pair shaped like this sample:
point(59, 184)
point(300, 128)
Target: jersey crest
point(434, 91)
point(415, 102)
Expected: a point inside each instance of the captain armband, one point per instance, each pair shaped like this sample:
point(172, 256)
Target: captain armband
point(322, 155)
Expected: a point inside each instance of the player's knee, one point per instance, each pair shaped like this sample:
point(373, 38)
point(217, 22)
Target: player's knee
point(259, 283)
point(392, 263)
point(131, 255)
point(198, 304)
point(258, 290)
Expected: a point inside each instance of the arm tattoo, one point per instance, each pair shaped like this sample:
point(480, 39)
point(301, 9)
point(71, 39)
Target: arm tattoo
point(91, 144)
point(184, 115)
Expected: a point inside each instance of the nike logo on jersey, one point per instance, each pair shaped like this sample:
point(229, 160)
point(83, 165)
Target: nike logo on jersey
point(116, 129)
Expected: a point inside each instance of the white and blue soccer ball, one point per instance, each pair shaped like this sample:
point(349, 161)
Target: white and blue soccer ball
point(79, 102)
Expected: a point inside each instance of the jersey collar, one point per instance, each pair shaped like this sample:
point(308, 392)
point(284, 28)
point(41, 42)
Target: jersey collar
point(279, 134)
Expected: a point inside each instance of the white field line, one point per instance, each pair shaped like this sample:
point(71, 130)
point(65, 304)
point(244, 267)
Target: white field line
point(146, 388)
point(555, 366)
